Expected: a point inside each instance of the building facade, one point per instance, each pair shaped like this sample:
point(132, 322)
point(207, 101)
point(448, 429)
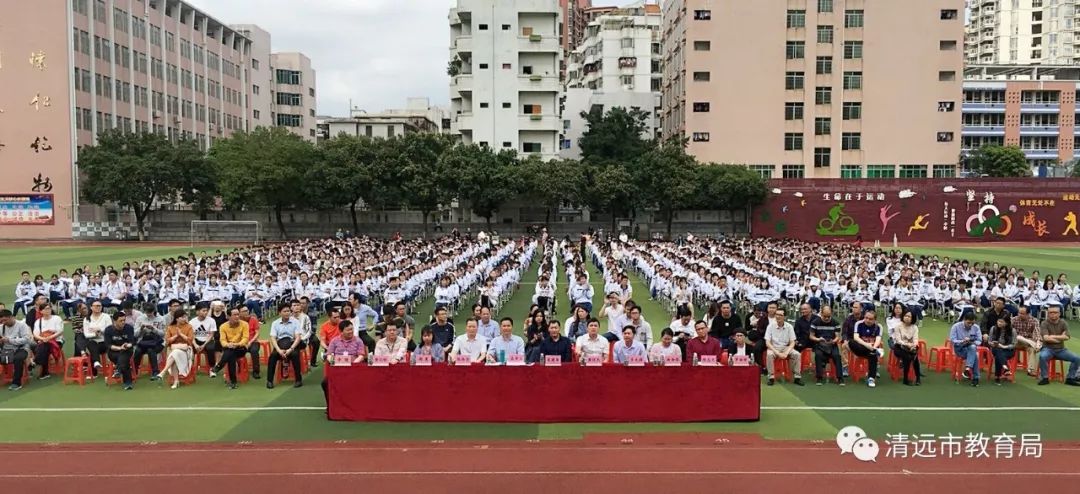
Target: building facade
point(1032, 107)
point(816, 88)
point(505, 90)
point(70, 70)
point(292, 92)
point(1021, 32)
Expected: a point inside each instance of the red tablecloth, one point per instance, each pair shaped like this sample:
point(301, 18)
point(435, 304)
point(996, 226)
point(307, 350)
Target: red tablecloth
point(568, 393)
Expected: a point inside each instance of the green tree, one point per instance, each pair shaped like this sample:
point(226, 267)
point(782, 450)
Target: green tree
point(614, 135)
point(348, 162)
point(267, 167)
point(428, 182)
point(1076, 169)
point(667, 174)
point(133, 170)
point(1000, 161)
point(553, 183)
point(727, 187)
point(486, 179)
point(611, 188)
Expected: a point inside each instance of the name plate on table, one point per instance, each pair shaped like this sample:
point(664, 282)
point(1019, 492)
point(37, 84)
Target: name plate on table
point(593, 361)
point(708, 361)
point(423, 360)
point(636, 361)
point(515, 359)
point(462, 359)
point(740, 360)
point(342, 361)
point(552, 360)
point(672, 361)
point(380, 361)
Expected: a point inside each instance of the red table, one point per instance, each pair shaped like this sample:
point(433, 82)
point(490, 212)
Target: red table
point(537, 394)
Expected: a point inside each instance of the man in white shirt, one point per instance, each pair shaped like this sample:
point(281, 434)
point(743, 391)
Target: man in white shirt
point(390, 344)
point(486, 327)
point(591, 343)
point(615, 315)
point(115, 291)
point(581, 294)
point(470, 343)
point(642, 328)
point(780, 341)
point(299, 310)
point(204, 328)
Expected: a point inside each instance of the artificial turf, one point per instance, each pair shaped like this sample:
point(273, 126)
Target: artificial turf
point(48, 411)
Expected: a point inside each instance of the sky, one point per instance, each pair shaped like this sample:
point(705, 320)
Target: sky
point(375, 53)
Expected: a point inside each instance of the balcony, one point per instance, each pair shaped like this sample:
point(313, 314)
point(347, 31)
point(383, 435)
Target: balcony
point(1041, 107)
point(1040, 153)
point(538, 43)
point(534, 82)
point(462, 83)
point(464, 121)
point(539, 122)
point(983, 130)
point(463, 44)
point(1040, 130)
point(983, 107)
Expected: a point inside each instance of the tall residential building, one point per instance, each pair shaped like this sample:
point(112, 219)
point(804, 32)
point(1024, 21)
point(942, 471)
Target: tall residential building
point(282, 88)
point(1021, 32)
point(72, 69)
point(1032, 107)
point(505, 85)
point(572, 30)
point(616, 65)
point(816, 88)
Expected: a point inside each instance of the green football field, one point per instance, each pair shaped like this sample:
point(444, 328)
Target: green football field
point(48, 411)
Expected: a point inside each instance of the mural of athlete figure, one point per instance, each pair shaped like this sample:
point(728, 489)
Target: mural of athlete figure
point(1071, 226)
point(886, 217)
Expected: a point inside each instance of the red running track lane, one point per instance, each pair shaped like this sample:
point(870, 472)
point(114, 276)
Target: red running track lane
point(599, 464)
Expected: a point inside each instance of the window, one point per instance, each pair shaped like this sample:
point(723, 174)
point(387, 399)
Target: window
point(951, 14)
point(483, 66)
point(627, 42)
point(824, 65)
point(851, 141)
point(946, 106)
point(793, 141)
point(155, 35)
point(852, 111)
point(483, 105)
point(290, 99)
point(170, 42)
point(793, 171)
point(822, 126)
point(796, 18)
point(701, 76)
point(507, 66)
point(701, 107)
point(505, 27)
point(944, 137)
point(288, 76)
point(852, 50)
point(255, 114)
point(286, 120)
point(702, 15)
point(824, 34)
point(508, 144)
point(482, 27)
point(852, 80)
point(794, 80)
point(627, 80)
point(822, 157)
point(793, 111)
point(944, 171)
point(764, 171)
point(946, 75)
point(254, 62)
point(506, 105)
point(912, 171)
point(255, 89)
point(823, 95)
point(311, 92)
point(80, 6)
point(389, 131)
point(853, 18)
point(531, 147)
point(99, 10)
point(824, 6)
point(701, 137)
point(796, 50)
point(702, 45)
point(850, 171)
point(947, 45)
point(880, 171)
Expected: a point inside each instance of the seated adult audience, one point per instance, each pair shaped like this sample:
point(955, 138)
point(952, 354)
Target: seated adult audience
point(180, 339)
point(149, 339)
point(631, 347)
point(555, 344)
point(725, 324)
point(780, 341)
point(48, 337)
point(14, 346)
point(428, 346)
point(234, 342)
point(120, 340)
point(470, 343)
point(1002, 342)
point(740, 347)
point(442, 328)
point(1027, 338)
point(591, 343)
point(825, 334)
point(1055, 332)
point(284, 346)
point(344, 343)
point(205, 328)
point(94, 334)
point(702, 344)
point(665, 347)
point(866, 343)
point(391, 345)
point(254, 347)
point(906, 346)
point(506, 343)
point(966, 339)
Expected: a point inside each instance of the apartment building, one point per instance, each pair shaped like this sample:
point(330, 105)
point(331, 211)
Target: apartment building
point(572, 31)
point(292, 90)
point(70, 70)
point(1021, 32)
point(1033, 107)
point(618, 64)
point(816, 88)
point(505, 86)
point(418, 116)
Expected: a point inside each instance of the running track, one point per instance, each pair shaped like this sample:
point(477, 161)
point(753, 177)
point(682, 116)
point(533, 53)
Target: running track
point(598, 464)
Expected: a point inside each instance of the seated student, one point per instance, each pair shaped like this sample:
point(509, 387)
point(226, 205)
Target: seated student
point(866, 343)
point(966, 339)
point(120, 340)
point(14, 341)
point(1055, 332)
point(703, 344)
point(506, 344)
point(344, 343)
point(234, 342)
point(48, 338)
point(428, 346)
point(284, 345)
point(780, 341)
point(391, 345)
point(665, 347)
point(682, 326)
point(470, 343)
point(631, 347)
point(554, 344)
point(591, 343)
point(180, 340)
point(825, 334)
point(205, 328)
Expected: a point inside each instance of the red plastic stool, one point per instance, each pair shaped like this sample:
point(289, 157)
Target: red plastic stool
point(76, 370)
point(783, 370)
point(1057, 369)
point(264, 352)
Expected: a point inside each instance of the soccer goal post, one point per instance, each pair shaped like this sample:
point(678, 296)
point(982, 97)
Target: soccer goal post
point(222, 231)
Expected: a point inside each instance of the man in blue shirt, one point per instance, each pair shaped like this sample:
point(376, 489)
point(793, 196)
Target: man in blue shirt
point(506, 343)
point(284, 340)
point(866, 343)
point(442, 329)
point(555, 344)
point(966, 339)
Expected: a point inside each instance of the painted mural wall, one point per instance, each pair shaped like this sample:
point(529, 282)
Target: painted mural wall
point(921, 210)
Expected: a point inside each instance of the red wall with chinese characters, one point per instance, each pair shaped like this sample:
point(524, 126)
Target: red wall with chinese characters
point(912, 210)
